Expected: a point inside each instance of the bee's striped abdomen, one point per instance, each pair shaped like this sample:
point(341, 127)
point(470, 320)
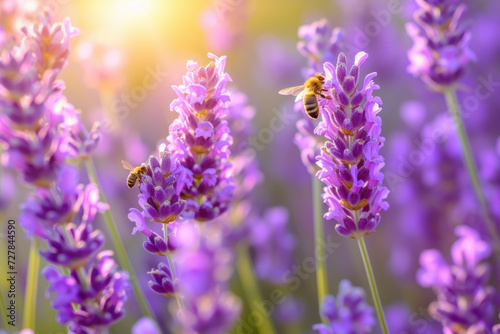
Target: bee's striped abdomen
point(131, 180)
point(311, 105)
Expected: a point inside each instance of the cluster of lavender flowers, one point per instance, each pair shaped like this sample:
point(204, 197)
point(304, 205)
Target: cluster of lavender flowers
point(32, 103)
point(40, 132)
point(464, 300)
point(440, 49)
point(197, 187)
point(200, 138)
point(350, 161)
point(348, 313)
point(191, 179)
point(348, 156)
point(192, 176)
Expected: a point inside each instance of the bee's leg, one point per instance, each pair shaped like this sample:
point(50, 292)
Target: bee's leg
point(324, 96)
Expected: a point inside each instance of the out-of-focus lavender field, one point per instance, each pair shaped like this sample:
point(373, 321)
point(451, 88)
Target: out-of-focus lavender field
point(234, 165)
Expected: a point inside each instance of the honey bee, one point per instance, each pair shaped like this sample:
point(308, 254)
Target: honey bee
point(135, 173)
point(308, 91)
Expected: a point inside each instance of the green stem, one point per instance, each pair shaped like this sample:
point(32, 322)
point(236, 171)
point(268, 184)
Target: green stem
point(3, 305)
point(172, 268)
point(373, 284)
point(321, 276)
point(251, 288)
point(451, 101)
point(118, 243)
point(31, 286)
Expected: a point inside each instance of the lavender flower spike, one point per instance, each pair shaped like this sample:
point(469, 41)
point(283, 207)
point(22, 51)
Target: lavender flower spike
point(199, 139)
point(464, 301)
point(348, 313)
point(320, 43)
point(439, 56)
point(163, 280)
point(50, 42)
point(350, 161)
point(440, 49)
point(101, 294)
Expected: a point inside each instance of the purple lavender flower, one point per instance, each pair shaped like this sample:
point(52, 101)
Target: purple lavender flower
point(199, 139)
point(31, 102)
point(440, 49)
point(38, 157)
point(348, 313)
point(464, 301)
point(100, 294)
point(37, 135)
point(203, 281)
point(320, 44)
point(21, 88)
point(163, 282)
point(46, 208)
point(161, 187)
point(155, 243)
point(350, 161)
point(48, 214)
point(73, 246)
point(80, 141)
point(50, 42)
point(271, 244)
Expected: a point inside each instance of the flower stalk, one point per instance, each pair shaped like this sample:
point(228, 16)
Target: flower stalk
point(172, 268)
point(321, 274)
point(3, 305)
point(373, 284)
point(31, 286)
point(452, 103)
point(251, 287)
point(350, 161)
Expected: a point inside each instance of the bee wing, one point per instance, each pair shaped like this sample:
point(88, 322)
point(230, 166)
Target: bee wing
point(127, 165)
point(292, 90)
point(301, 94)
